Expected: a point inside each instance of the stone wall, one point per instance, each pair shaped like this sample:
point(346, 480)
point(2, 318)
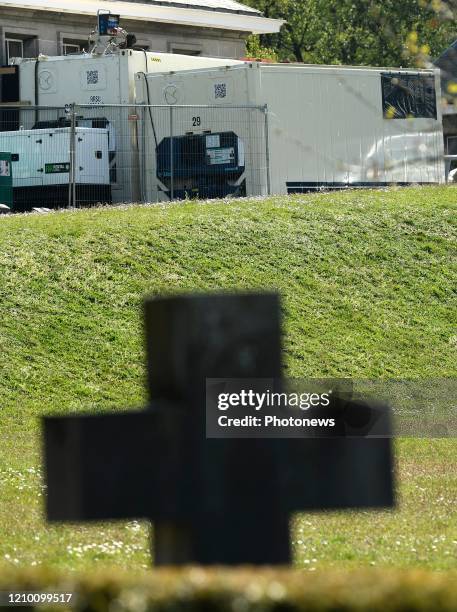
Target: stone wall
point(45, 32)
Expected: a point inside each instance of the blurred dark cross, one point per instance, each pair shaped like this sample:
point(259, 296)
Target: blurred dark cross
point(225, 501)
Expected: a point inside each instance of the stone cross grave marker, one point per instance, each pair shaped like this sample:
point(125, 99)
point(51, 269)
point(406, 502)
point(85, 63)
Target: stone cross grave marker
point(224, 501)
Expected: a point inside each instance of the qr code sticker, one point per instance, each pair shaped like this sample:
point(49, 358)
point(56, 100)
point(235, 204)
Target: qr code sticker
point(220, 90)
point(92, 77)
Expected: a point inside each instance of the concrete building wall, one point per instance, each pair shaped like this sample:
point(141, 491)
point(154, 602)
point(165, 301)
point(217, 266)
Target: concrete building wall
point(45, 32)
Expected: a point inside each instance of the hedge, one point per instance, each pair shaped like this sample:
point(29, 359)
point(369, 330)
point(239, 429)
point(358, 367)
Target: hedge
point(244, 590)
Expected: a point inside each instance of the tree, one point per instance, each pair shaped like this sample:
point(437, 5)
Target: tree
point(360, 32)
point(254, 50)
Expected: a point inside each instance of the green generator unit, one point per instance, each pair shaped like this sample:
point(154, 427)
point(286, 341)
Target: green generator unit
point(6, 181)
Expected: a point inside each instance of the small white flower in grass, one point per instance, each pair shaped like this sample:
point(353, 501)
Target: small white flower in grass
point(133, 526)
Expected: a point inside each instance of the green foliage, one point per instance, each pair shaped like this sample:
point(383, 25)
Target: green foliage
point(254, 50)
point(195, 589)
point(367, 280)
point(360, 32)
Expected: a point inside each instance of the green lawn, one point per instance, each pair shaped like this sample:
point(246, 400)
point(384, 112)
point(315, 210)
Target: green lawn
point(368, 280)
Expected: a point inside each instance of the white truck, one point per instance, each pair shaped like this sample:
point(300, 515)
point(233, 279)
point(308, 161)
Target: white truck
point(327, 127)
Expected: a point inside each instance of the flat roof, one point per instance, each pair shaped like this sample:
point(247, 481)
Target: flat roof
point(223, 14)
point(291, 66)
point(210, 5)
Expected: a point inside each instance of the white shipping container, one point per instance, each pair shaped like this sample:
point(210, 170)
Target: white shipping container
point(328, 126)
point(98, 79)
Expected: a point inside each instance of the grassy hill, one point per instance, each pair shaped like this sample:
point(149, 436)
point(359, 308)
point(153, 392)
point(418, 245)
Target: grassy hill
point(368, 282)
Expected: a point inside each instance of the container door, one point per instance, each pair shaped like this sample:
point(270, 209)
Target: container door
point(6, 180)
point(26, 154)
point(92, 157)
point(56, 157)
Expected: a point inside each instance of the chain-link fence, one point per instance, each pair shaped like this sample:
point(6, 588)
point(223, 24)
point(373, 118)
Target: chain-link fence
point(84, 155)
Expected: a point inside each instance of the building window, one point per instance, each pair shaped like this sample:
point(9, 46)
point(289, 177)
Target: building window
point(407, 96)
point(186, 51)
point(184, 48)
point(14, 47)
point(70, 47)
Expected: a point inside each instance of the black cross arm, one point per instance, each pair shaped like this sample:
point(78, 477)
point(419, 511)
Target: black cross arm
point(336, 473)
point(97, 465)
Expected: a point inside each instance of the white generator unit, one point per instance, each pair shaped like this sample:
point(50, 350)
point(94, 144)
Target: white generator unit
point(99, 82)
point(41, 166)
point(327, 126)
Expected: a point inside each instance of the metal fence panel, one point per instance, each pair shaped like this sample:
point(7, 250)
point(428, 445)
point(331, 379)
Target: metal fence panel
point(86, 155)
point(164, 153)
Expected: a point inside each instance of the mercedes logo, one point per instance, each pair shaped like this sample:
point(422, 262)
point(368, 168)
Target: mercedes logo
point(171, 94)
point(46, 80)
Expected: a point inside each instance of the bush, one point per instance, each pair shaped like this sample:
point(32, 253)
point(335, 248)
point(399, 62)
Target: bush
point(246, 590)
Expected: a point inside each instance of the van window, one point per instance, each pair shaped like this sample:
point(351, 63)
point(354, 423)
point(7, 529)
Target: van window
point(407, 96)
